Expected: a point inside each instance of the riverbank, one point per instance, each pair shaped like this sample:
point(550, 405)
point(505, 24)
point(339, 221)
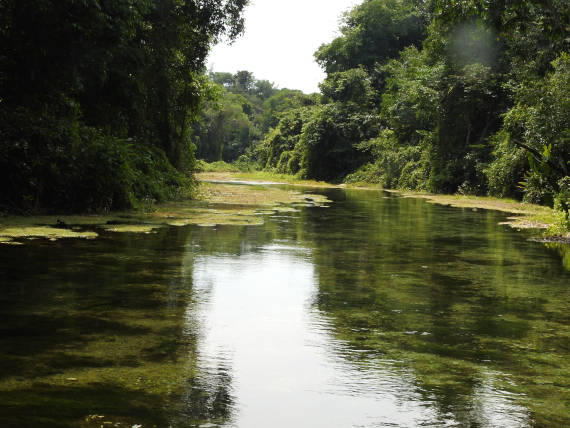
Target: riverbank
point(224, 203)
point(525, 215)
point(223, 199)
point(260, 177)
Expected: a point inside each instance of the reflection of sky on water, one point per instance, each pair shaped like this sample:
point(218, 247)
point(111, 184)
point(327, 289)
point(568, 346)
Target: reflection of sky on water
point(287, 369)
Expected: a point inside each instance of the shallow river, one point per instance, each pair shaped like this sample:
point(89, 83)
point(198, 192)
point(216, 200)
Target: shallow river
point(377, 311)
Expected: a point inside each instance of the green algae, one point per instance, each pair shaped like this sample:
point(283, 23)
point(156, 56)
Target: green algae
point(452, 298)
point(48, 232)
point(220, 204)
point(281, 209)
point(110, 331)
point(131, 228)
point(112, 340)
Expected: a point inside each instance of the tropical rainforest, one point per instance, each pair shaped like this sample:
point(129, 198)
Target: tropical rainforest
point(107, 103)
point(98, 98)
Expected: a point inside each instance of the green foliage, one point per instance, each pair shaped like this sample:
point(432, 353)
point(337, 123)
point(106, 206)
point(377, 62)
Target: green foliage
point(316, 140)
point(284, 138)
point(562, 199)
point(225, 130)
point(72, 167)
point(410, 101)
point(507, 169)
point(444, 114)
point(372, 32)
point(481, 108)
point(475, 101)
point(97, 98)
point(329, 138)
point(244, 82)
point(280, 103)
point(243, 110)
point(241, 165)
point(539, 122)
point(394, 166)
point(351, 86)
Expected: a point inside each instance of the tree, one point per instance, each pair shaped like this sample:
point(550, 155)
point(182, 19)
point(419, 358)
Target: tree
point(373, 32)
point(263, 89)
point(280, 103)
point(114, 83)
point(540, 124)
point(244, 81)
point(329, 139)
point(225, 131)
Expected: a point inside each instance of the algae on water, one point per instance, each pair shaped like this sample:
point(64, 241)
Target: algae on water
point(43, 232)
point(220, 204)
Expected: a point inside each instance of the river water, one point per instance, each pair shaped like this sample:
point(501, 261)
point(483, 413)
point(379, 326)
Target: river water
point(376, 311)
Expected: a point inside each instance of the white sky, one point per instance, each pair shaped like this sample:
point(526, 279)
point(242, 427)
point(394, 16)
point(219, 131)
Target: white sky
point(280, 39)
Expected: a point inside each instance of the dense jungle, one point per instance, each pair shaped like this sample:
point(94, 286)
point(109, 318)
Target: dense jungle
point(182, 247)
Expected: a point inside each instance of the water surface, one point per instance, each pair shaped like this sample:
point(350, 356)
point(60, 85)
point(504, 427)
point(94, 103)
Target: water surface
point(377, 311)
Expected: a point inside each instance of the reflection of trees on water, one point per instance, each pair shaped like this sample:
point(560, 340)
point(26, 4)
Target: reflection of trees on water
point(456, 305)
point(110, 316)
point(208, 398)
point(96, 324)
point(444, 292)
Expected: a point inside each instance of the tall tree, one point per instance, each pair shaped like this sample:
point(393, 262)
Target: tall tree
point(371, 33)
point(125, 76)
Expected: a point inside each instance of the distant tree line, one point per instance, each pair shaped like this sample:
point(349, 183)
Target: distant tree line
point(98, 98)
point(235, 120)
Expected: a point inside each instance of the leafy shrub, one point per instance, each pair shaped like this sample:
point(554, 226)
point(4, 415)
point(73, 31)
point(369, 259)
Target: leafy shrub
point(60, 164)
point(506, 170)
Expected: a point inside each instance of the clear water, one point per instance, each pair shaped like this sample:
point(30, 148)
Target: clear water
point(378, 311)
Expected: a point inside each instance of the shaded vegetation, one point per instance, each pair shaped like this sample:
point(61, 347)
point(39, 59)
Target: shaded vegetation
point(97, 99)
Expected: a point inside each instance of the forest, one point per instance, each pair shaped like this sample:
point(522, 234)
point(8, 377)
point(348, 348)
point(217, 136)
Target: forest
point(104, 104)
point(97, 99)
point(189, 247)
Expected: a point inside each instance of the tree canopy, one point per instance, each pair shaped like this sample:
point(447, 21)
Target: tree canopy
point(97, 97)
point(103, 103)
point(462, 96)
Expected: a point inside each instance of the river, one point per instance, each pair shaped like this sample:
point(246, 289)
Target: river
point(373, 311)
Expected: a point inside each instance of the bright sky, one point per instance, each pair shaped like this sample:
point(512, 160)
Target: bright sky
point(280, 39)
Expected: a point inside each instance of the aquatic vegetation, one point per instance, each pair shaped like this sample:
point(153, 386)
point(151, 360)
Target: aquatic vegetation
point(467, 317)
point(219, 204)
point(462, 305)
point(44, 232)
point(130, 228)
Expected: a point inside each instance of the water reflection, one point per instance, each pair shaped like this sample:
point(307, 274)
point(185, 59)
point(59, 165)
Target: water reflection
point(289, 368)
point(448, 295)
point(375, 312)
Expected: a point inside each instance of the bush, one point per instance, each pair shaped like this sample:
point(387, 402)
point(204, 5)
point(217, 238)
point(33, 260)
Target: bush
point(369, 173)
point(62, 165)
point(506, 171)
